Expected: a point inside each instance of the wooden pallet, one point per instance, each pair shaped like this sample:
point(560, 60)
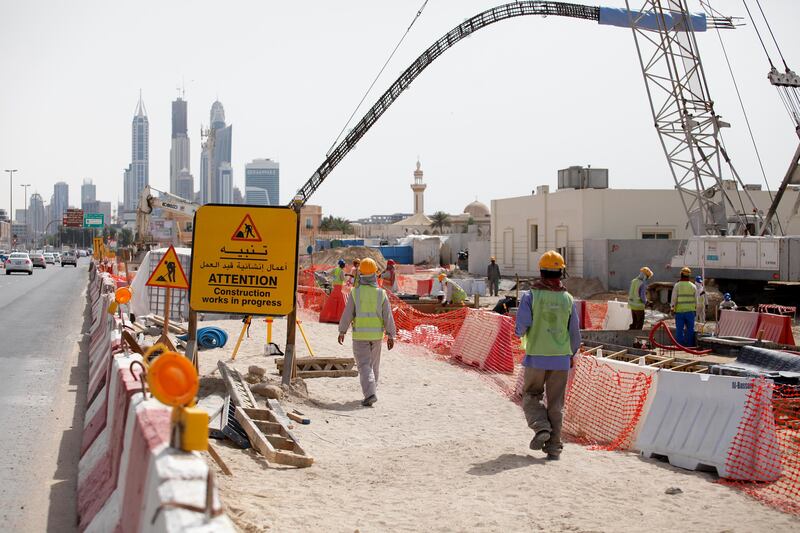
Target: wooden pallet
point(322, 367)
point(659, 361)
point(267, 429)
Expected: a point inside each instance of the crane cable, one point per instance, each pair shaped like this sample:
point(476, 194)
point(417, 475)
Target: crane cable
point(780, 53)
point(371, 85)
point(711, 11)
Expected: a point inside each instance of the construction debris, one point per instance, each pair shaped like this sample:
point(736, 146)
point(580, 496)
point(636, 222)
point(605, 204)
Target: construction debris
point(267, 390)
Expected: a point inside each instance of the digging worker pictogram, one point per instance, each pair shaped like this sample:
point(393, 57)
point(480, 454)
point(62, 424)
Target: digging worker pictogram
point(547, 323)
point(171, 271)
point(369, 311)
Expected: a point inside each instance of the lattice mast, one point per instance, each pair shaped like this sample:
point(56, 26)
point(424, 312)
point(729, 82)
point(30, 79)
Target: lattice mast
point(685, 119)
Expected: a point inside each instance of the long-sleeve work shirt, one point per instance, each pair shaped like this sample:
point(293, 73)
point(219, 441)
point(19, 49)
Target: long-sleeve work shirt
point(349, 314)
point(546, 362)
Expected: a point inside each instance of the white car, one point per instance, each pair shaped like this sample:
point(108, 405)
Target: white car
point(50, 259)
point(19, 262)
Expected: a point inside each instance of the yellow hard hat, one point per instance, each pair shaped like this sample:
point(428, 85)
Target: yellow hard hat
point(441, 277)
point(646, 271)
point(367, 267)
point(686, 271)
point(552, 260)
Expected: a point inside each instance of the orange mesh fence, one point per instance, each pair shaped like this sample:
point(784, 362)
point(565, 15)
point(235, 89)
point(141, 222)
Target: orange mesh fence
point(603, 405)
point(406, 284)
point(437, 332)
point(765, 453)
point(311, 298)
point(594, 314)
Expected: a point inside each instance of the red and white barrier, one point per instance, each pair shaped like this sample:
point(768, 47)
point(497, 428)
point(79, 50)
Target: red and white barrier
point(486, 340)
point(737, 324)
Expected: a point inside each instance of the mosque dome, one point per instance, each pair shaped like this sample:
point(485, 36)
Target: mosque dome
point(477, 210)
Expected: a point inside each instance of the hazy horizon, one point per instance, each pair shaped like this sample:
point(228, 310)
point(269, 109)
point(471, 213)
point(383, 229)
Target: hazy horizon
point(494, 117)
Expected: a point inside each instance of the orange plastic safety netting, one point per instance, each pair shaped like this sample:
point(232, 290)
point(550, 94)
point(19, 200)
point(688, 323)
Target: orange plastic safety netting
point(767, 447)
point(437, 332)
point(603, 405)
point(594, 314)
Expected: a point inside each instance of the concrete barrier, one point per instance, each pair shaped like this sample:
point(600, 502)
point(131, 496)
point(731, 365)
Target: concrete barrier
point(694, 419)
point(128, 477)
point(618, 316)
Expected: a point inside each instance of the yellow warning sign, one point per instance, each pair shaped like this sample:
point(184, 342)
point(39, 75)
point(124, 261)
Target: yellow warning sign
point(247, 267)
point(169, 272)
point(98, 248)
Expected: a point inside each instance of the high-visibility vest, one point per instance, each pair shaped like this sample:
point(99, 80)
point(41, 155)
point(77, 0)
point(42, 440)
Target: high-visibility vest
point(549, 333)
point(368, 324)
point(338, 276)
point(635, 303)
point(687, 297)
point(459, 294)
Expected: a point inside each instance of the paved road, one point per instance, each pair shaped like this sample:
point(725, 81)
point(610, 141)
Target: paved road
point(42, 391)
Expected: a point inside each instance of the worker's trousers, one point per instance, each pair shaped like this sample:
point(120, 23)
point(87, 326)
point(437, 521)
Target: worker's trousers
point(541, 415)
point(701, 312)
point(494, 287)
point(368, 360)
point(684, 328)
point(637, 319)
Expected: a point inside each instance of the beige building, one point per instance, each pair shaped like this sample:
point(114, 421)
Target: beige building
point(525, 227)
point(310, 219)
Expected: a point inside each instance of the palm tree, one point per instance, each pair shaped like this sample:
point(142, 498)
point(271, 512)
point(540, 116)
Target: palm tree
point(440, 220)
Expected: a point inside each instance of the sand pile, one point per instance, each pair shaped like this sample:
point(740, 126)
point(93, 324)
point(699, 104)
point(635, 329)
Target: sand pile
point(330, 257)
point(442, 451)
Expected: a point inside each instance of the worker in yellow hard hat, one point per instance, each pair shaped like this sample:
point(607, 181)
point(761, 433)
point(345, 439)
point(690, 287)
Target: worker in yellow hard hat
point(493, 276)
point(637, 297)
point(370, 313)
point(547, 322)
point(684, 305)
point(453, 292)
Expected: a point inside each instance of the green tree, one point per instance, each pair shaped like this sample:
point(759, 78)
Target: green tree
point(332, 223)
point(440, 220)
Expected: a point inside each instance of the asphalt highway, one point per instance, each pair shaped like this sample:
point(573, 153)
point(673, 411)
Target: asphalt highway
point(42, 395)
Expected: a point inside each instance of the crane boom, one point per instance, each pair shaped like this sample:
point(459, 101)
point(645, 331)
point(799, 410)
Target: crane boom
point(168, 202)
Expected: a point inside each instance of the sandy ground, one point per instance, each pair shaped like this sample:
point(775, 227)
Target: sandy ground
point(441, 451)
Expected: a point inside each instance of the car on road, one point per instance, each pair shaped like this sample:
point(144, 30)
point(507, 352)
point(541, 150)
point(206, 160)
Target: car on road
point(69, 258)
point(49, 258)
point(38, 260)
point(81, 253)
point(19, 262)
point(57, 257)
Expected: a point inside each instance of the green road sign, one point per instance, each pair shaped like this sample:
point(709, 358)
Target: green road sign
point(93, 220)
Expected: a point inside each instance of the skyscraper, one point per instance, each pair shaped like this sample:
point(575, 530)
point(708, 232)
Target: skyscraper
point(36, 216)
point(262, 182)
point(59, 204)
point(88, 193)
point(216, 173)
point(179, 152)
point(130, 198)
point(140, 156)
point(185, 185)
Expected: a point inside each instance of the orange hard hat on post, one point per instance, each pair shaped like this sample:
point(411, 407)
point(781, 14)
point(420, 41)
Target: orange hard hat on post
point(368, 267)
point(552, 260)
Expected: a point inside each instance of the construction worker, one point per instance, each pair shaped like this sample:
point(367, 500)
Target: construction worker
point(335, 302)
point(547, 322)
point(684, 305)
point(493, 276)
point(389, 277)
point(456, 293)
point(637, 297)
point(354, 276)
point(702, 299)
point(727, 303)
point(369, 311)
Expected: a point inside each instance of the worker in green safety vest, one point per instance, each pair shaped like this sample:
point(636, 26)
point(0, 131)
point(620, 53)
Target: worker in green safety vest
point(370, 313)
point(457, 295)
point(337, 274)
point(548, 324)
point(637, 297)
point(684, 305)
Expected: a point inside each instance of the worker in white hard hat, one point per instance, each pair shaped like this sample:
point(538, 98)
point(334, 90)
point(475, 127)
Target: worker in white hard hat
point(637, 297)
point(547, 322)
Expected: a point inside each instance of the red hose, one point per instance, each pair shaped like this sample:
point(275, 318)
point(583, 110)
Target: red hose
point(675, 345)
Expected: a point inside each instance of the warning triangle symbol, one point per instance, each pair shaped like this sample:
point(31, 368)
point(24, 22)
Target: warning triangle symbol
point(246, 231)
point(169, 272)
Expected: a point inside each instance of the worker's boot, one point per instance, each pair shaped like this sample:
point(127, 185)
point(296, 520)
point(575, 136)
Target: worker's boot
point(369, 400)
point(539, 440)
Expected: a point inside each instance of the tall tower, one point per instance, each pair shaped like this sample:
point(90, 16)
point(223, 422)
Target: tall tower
point(216, 174)
point(60, 202)
point(419, 191)
point(179, 151)
point(140, 154)
point(88, 195)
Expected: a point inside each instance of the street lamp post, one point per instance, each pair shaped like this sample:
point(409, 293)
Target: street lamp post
point(27, 224)
point(10, 204)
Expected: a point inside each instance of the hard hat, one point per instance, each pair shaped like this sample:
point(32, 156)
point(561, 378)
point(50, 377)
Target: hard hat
point(441, 276)
point(727, 296)
point(173, 379)
point(367, 267)
point(123, 295)
point(390, 262)
point(646, 271)
point(699, 279)
point(356, 261)
point(493, 258)
point(341, 262)
point(552, 260)
point(686, 271)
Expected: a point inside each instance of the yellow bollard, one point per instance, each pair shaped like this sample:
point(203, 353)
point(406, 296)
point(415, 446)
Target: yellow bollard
point(303, 333)
point(268, 320)
point(247, 320)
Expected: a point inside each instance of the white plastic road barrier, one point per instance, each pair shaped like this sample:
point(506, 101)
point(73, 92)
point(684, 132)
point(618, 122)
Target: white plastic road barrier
point(618, 316)
point(693, 421)
point(737, 324)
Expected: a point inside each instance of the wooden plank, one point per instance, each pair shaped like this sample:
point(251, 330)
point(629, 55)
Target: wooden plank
point(215, 455)
point(278, 452)
point(592, 350)
point(241, 396)
point(320, 363)
point(327, 373)
point(617, 355)
point(662, 363)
